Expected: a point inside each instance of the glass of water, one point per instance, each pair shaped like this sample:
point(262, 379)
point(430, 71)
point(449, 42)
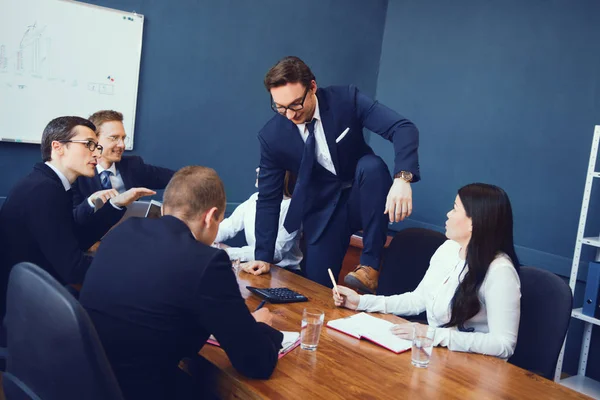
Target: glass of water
point(422, 345)
point(312, 322)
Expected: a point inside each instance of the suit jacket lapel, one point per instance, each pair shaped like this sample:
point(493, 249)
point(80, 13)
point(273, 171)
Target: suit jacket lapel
point(327, 119)
point(291, 136)
point(124, 171)
point(96, 182)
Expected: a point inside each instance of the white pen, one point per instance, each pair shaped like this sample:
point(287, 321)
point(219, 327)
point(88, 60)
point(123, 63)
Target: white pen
point(333, 281)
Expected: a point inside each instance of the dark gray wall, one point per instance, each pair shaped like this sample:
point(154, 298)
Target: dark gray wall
point(201, 98)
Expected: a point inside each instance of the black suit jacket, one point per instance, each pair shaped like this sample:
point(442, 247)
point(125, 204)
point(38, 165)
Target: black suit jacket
point(37, 225)
point(281, 149)
point(155, 294)
point(134, 172)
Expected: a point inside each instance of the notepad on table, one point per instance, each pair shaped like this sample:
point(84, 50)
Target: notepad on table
point(374, 329)
point(290, 341)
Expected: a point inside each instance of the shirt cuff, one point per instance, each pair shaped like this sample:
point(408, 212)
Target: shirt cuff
point(89, 201)
point(442, 337)
point(117, 207)
point(371, 303)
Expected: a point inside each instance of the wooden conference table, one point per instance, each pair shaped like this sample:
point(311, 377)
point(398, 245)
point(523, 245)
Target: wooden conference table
point(346, 368)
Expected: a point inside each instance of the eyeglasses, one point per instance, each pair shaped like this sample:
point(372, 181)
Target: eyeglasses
point(116, 139)
point(293, 107)
point(90, 144)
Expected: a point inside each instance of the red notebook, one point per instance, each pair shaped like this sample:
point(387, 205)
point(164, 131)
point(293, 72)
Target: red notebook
point(374, 329)
point(290, 341)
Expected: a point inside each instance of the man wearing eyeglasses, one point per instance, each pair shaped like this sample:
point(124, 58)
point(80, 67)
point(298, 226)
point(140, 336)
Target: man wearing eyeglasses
point(342, 185)
point(115, 172)
point(37, 223)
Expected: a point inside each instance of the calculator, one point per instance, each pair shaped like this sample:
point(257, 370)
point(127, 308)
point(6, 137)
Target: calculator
point(278, 295)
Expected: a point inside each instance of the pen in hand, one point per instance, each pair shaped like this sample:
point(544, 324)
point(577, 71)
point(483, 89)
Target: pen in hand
point(333, 281)
point(260, 305)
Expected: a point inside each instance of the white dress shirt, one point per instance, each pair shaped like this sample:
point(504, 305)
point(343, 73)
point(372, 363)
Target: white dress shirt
point(63, 178)
point(496, 324)
point(115, 180)
point(287, 248)
point(321, 149)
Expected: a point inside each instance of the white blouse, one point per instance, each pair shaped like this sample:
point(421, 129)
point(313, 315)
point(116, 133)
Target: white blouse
point(495, 325)
point(287, 246)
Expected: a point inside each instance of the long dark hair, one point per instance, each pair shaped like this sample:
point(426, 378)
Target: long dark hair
point(490, 211)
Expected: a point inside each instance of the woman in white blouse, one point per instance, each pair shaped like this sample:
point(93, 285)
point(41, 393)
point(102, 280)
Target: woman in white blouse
point(471, 291)
point(287, 246)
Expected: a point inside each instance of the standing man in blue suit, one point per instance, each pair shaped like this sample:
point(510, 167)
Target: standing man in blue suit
point(115, 173)
point(342, 185)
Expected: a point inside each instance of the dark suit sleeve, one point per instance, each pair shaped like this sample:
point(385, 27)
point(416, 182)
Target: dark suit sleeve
point(50, 221)
point(83, 212)
point(268, 205)
point(95, 225)
point(391, 126)
point(252, 347)
point(149, 176)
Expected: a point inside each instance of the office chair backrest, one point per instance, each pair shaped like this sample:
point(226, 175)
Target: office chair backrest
point(53, 349)
point(546, 303)
point(406, 260)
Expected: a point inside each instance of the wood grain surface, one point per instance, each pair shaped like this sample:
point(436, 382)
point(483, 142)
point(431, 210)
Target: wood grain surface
point(346, 368)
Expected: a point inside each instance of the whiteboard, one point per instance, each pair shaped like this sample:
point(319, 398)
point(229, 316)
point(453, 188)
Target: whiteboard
point(60, 57)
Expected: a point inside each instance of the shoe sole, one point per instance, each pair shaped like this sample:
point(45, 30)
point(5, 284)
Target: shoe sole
point(355, 283)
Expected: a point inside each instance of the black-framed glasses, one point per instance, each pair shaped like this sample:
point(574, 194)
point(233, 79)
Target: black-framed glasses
point(90, 144)
point(293, 107)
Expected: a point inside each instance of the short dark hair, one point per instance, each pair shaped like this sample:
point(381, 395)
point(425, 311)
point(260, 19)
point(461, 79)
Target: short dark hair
point(60, 129)
point(289, 69)
point(100, 117)
point(194, 190)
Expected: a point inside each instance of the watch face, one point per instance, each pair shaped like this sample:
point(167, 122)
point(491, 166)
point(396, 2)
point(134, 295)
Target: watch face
point(407, 176)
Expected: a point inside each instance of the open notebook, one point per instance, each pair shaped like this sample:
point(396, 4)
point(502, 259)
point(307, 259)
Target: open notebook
point(290, 341)
point(371, 328)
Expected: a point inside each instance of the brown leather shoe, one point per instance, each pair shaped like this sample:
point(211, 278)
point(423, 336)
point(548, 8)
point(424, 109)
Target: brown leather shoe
point(363, 278)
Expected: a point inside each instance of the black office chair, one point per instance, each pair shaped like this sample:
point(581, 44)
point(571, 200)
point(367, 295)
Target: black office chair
point(53, 349)
point(406, 260)
point(546, 303)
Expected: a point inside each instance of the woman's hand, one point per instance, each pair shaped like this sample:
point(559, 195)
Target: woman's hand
point(406, 331)
point(347, 297)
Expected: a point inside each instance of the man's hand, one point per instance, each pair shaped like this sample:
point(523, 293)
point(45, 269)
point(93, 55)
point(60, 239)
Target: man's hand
point(103, 195)
point(263, 315)
point(131, 195)
point(256, 267)
point(399, 201)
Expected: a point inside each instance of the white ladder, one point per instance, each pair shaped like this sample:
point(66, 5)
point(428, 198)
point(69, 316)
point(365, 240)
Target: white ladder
point(580, 382)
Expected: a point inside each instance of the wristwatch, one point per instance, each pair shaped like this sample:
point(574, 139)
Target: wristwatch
point(406, 176)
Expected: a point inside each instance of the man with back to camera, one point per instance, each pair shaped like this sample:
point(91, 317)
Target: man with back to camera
point(115, 172)
point(157, 289)
point(342, 185)
point(37, 223)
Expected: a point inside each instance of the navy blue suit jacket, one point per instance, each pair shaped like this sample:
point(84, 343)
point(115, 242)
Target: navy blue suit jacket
point(37, 225)
point(134, 172)
point(155, 294)
point(281, 149)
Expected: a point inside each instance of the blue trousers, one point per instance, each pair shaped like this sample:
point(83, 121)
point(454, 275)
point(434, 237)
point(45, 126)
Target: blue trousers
point(360, 207)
